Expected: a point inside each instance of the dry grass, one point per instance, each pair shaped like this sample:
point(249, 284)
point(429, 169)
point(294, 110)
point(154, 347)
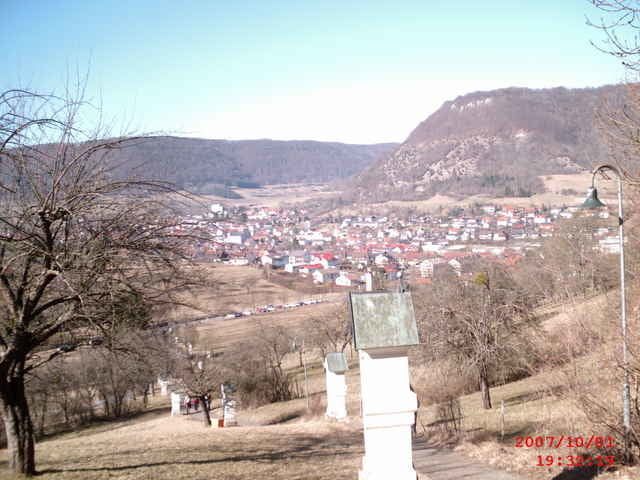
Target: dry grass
point(232, 288)
point(554, 185)
point(241, 288)
point(578, 182)
point(280, 195)
point(162, 447)
point(548, 404)
point(219, 334)
point(277, 195)
point(289, 440)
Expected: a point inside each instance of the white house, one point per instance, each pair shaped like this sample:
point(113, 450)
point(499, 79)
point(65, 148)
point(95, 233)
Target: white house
point(490, 209)
point(237, 237)
point(499, 237)
point(298, 257)
point(325, 275)
point(347, 279)
point(216, 208)
point(274, 260)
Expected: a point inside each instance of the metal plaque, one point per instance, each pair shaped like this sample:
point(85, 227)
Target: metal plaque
point(383, 319)
point(337, 362)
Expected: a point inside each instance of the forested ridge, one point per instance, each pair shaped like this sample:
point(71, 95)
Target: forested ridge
point(204, 165)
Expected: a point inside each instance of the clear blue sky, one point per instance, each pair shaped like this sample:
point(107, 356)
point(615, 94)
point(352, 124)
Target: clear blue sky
point(350, 71)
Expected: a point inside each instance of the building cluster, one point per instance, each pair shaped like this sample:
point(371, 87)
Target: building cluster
point(347, 250)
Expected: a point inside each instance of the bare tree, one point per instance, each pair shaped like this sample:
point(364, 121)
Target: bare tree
point(200, 375)
point(330, 331)
point(573, 260)
point(620, 25)
point(481, 322)
point(74, 237)
point(257, 366)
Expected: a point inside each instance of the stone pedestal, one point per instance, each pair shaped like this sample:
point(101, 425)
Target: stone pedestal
point(229, 413)
point(228, 406)
point(164, 386)
point(176, 402)
point(384, 327)
point(388, 410)
point(335, 367)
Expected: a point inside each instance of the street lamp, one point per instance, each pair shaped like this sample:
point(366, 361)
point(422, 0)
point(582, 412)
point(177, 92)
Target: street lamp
point(592, 201)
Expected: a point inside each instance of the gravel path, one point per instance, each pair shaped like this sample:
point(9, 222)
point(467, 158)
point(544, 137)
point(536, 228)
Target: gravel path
point(444, 464)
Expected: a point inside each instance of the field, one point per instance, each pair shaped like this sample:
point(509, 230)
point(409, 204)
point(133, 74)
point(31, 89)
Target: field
point(232, 288)
point(239, 289)
point(162, 447)
point(568, 189)
point(276, 195)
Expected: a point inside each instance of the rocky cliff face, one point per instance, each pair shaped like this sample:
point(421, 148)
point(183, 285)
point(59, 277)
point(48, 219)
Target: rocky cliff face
point(495, 142)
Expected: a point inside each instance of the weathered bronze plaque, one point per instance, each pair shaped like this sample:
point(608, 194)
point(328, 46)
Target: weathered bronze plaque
point(337, 362)
point(383, 319)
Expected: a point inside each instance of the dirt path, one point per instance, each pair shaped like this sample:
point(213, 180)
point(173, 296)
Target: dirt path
point(444, 464)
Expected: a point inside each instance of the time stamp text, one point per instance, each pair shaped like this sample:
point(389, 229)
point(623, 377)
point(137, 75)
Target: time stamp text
point(553, 441)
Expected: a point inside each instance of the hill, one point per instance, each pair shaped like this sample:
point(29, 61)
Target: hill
point(494, 142)
point(207, 166)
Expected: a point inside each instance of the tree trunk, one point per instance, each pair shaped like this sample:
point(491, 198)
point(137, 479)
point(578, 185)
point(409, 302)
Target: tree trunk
point(17, 424)
point(205, 411)
point(44, 405)
point(484, 388)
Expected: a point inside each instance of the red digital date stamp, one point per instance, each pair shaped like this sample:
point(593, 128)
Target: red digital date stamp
point(576, 461)
point(554, 441)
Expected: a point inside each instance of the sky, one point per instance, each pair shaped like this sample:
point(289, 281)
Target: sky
point(347, 71)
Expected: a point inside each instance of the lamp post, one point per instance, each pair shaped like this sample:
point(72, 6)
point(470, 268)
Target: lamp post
point(592, 201)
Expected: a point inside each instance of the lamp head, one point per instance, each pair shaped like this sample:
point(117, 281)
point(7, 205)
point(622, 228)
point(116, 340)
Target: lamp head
point(592, 200)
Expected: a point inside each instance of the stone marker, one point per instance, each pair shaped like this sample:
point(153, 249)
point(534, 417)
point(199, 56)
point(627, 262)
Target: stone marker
point(176, 403)
point(164, 386)
point(228, 404)
point(335, 366)
point(384, 327)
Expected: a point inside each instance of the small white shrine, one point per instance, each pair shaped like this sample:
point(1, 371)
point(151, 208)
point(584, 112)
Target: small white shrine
point(228, 405)
point(335, 366)
point(177, 400)
point(164, 386)
point(384, 327)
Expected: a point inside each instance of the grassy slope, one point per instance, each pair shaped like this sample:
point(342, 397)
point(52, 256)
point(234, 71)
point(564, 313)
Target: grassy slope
point(543, 404)
point(290, 440)
point(161, 447)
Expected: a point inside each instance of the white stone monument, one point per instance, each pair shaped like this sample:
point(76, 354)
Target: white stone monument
point(384, 327)
point(335, 366)
point(368, 281)
point(164, 386)
point(176, 403)
point(228, 405)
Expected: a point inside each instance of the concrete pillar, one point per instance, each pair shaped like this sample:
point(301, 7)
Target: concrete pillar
point(368, 281)
point(228, 407)
point(384, 328)
point(229, 412)
point(335, 366)
point(388, 410)
point(164, 387)
point(176, 401)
